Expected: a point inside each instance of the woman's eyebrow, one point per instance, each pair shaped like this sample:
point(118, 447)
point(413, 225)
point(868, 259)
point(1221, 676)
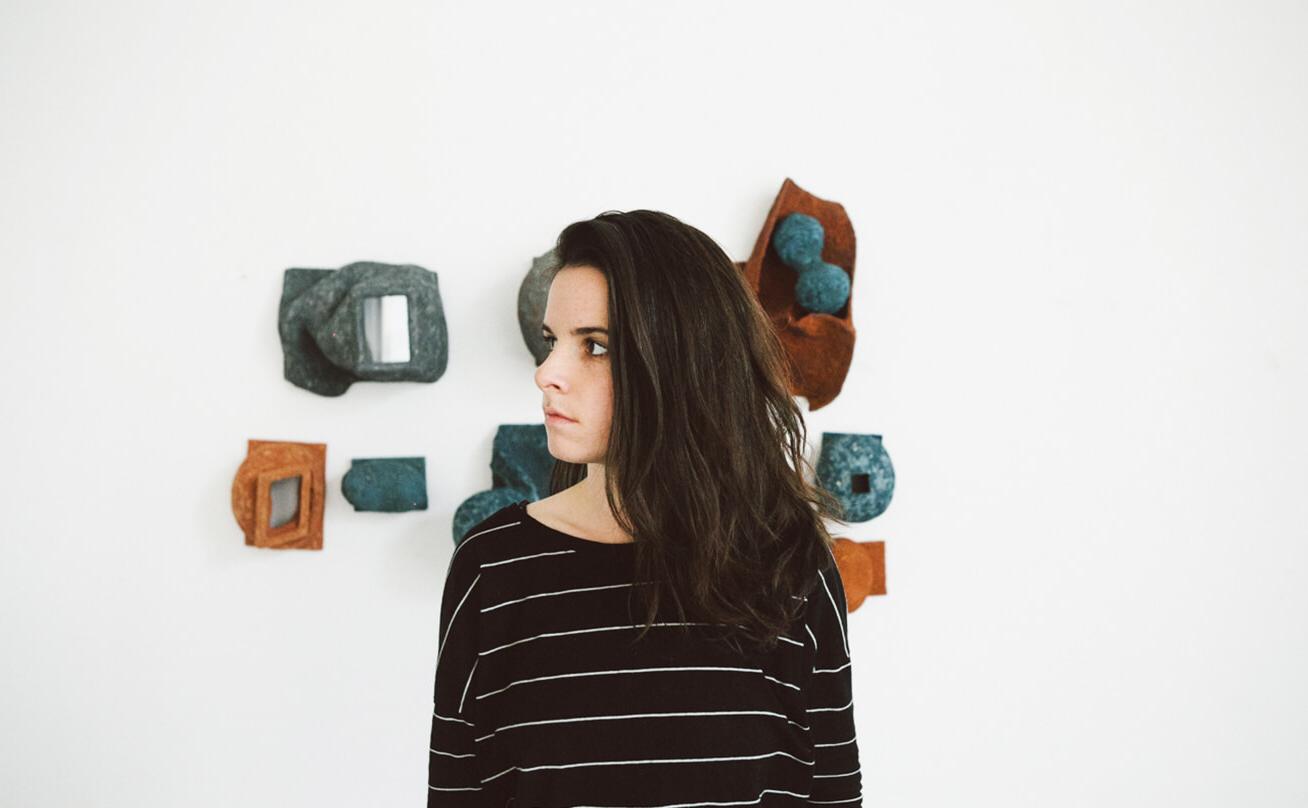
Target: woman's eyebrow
point(577, 332)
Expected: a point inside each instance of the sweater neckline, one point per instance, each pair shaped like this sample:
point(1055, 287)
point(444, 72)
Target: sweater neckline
point(529, 519)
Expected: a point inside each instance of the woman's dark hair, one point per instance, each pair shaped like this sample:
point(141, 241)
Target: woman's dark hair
point(706, 444)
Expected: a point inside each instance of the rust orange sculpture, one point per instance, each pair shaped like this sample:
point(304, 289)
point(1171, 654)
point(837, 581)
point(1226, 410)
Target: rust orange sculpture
point(266, 463)
point(862, 567)
point(820, 346)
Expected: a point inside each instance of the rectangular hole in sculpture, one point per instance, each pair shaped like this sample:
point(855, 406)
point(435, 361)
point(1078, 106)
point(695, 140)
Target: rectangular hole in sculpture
point(861, 484)
point(285, 496)
point(386, 328)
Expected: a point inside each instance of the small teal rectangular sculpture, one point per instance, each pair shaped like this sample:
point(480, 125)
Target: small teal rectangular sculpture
point(390, 484)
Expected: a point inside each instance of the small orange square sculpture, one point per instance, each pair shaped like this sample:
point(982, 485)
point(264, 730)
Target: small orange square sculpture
point(266, 463)
point(862, 566)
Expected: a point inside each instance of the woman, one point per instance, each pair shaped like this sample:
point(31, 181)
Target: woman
point(679, 479)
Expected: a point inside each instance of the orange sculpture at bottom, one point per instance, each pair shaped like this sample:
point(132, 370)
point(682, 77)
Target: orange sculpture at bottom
point(862, 566)
point(267, 463)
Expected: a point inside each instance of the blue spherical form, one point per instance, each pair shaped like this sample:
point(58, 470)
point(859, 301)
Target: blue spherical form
point(798, 240)
point(823, 287)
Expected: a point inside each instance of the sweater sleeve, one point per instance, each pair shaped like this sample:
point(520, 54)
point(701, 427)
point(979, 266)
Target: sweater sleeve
point(452, 777)
point(837, 779)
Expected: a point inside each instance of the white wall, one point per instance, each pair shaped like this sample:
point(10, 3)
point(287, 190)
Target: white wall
point(1081, 268)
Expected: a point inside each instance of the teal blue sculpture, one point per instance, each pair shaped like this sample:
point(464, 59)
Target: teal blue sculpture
point(856, 469)
point(820, 287)
point(390, 484)
point(521, 464)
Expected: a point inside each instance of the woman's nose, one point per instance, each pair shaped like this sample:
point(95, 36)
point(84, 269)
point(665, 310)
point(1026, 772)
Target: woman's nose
point(549, 373)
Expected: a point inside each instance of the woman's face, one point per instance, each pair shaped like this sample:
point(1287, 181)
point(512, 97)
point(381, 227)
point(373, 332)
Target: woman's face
point(575, 377)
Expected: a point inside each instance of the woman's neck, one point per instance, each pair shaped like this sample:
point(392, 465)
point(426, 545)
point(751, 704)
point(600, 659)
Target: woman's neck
point(591, 503)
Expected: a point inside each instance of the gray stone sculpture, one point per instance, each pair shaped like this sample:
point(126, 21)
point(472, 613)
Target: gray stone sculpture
point(532, 294)
point(335, 330)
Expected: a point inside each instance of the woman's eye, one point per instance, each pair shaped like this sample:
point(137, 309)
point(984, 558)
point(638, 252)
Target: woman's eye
point(549, 344)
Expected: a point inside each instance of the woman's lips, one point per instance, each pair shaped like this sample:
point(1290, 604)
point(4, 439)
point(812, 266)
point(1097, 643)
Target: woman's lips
point(557, 419)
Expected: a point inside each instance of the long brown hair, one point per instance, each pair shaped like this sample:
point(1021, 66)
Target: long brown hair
point(706, 444)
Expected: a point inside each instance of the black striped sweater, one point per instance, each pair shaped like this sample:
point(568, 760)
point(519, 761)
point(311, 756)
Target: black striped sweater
point(542, 701)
